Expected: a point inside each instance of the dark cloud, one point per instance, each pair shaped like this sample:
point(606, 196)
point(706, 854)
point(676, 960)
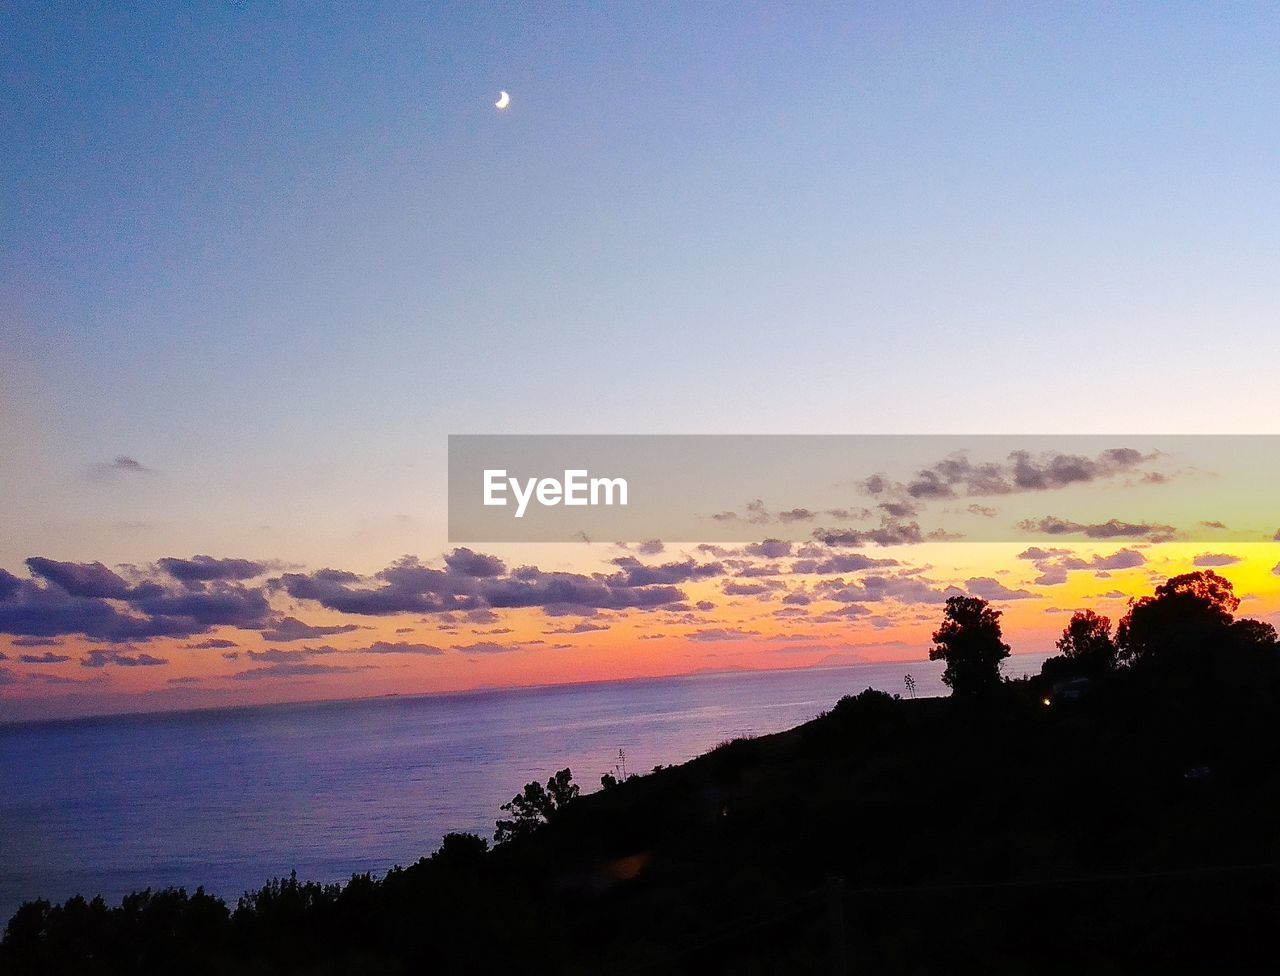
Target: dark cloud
point(100, 659)
point(48, 657)
point(1055, 564)
point(294, 654)
point(216, 604)
point(986, 511)
point(874, 589)
point(890, 533)
point(211, 644)
point(88, 598)
point(50, 612)
point(404, 587)
point(1213, 525)
point(468, 563)
point(400, 647)
point(582, 627)
point(36, 642)
point(1111, 529)
point(292, 629)
point(899, 509)
point(634, 573)
point(567, 592)
point(768, 549)
point(485, 647)
point(957, 476)
point(653, 547)
point(1120, 559)
point(852, 562)
point(756, 514)
point(203, 569)
point(992, 589)
point(796, 515)
point(294, 669)
point(81, 579)
point(739, 588)
point(1036, 553)
point(713, 634)
point(849, 514)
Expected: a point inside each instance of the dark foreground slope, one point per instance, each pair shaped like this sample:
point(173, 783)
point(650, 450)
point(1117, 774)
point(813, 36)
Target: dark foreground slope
point(1134, 830)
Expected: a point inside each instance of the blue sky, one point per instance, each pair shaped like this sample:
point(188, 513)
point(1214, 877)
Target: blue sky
point(276, 254)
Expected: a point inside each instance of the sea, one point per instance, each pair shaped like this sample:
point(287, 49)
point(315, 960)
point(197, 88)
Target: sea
point(229, 798)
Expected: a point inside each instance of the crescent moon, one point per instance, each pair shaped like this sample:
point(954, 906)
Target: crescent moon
point(503, 100)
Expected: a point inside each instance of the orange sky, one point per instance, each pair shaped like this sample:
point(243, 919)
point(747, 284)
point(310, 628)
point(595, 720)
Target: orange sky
point(757, 612)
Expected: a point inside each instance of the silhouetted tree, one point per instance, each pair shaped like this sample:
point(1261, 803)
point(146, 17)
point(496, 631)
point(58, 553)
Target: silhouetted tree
point(1087, 644)
point(1188, 613)
point(1251, 634)
point(969, 640)
point(535, 806)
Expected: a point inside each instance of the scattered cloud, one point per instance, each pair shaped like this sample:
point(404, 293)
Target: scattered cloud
point(292, 629)
point(1207, 559)
point(840, 563)
point(955, 476)
point(711, 634)
point(48, 657)
point(121, 466)
point(294, 669)
point(203, 569)
point(401, 647)
point(582, 627)
point(100, 659)
point(1111, 529)
point(293, 654)
point(485, 647)
point(1055, 564)
point(992, 589)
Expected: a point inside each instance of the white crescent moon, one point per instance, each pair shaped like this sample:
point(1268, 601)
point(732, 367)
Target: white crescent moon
point(503, 100)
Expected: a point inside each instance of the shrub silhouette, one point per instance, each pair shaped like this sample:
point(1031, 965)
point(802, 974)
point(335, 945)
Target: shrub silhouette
point(536, 806)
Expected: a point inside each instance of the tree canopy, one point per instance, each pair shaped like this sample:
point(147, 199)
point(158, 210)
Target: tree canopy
point(1188, 613)
point(971, 643)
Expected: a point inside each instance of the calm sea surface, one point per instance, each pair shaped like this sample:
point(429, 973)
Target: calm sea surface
point(230, 798)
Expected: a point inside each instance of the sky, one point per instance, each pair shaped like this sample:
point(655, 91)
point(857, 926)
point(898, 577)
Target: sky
point(257, 263)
